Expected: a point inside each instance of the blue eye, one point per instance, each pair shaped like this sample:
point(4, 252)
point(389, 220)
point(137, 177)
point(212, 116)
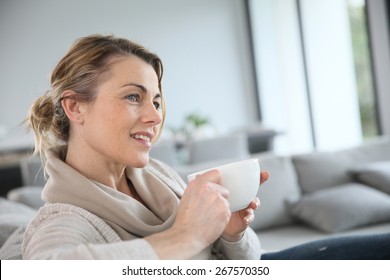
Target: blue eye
point(133, 97)
point(157, 105)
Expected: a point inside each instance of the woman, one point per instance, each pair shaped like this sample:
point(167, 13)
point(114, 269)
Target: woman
point(105, 199)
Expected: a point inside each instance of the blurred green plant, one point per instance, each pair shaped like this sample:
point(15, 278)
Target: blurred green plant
point(196, 120)
point(193, 122)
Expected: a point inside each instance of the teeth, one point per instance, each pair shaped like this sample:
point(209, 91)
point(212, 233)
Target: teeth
point(142, 137)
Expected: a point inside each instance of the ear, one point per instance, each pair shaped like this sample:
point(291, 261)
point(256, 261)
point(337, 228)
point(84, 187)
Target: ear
point(73, 108)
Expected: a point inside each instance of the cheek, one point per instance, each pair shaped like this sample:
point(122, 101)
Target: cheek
point(157, 130)
point(102, 123)
point(114, 115)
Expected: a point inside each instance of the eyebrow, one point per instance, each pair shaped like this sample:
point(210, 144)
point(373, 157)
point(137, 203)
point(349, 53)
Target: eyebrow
point(142, 88)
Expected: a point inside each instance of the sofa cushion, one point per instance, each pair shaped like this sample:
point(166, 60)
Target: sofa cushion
point(27, 195)
point(12, 248)
point(219, 147)
point(281, 185)
point(285, 237)
point(376, 174)
point(321, 170)
point(12, 216)
point(343, 207)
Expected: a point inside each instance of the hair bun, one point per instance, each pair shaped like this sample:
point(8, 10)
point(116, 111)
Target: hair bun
point(41, 113)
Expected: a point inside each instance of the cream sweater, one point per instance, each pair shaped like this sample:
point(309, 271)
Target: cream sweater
point(82, 219)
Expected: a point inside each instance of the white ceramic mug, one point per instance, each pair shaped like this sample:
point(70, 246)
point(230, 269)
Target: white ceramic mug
point(241, 178)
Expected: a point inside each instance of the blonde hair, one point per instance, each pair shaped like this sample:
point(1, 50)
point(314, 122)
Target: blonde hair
point(80, 70)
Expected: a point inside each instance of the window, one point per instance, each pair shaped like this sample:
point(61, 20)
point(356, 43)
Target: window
point(314, 72)
point(362, 62)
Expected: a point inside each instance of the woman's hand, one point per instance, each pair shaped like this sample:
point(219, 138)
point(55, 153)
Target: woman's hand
point(240, 220)
point(203, 216)
point(204, 210)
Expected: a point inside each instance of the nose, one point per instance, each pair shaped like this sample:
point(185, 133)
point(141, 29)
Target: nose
point(150, 114)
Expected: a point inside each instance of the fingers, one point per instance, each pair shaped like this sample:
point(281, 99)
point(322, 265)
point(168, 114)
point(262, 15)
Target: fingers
point(204, 208)
point(211, 179)
point(210, 176)
point(254, 204)
point(249, 217)
point(264, 175)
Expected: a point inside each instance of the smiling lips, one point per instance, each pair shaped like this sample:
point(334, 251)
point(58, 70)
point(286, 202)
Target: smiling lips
point(145, 138)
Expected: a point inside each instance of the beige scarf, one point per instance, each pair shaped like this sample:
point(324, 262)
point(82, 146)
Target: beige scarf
point(158, 186)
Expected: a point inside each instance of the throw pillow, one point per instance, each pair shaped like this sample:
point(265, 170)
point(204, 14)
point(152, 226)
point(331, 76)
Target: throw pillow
point(376, 174)
point(321, 170)
point(341, 208)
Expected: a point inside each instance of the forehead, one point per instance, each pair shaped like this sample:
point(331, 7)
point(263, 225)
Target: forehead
point(131, 69)
point(125, 71)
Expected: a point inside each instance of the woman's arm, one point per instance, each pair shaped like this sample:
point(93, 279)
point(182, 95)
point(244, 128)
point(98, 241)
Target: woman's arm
point(70, 235)
point(247, 248)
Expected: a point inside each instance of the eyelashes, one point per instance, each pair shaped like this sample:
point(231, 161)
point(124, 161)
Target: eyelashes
point(136, 98)
point(157, 105)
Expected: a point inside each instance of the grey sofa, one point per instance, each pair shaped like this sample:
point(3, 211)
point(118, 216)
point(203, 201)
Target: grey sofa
point(321, 194)
point(308, 197)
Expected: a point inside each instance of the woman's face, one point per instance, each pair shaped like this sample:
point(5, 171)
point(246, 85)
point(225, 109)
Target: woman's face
point(125, 118)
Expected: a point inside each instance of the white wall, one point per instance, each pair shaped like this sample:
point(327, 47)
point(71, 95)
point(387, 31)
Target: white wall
point(202, 43)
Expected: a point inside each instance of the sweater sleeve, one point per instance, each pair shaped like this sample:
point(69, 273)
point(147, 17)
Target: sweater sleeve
point(71, 236)
point(248, 248)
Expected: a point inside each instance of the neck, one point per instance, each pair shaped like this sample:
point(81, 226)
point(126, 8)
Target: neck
point(97, 168)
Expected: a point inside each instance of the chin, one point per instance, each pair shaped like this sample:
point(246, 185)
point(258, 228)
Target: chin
point(140, 162)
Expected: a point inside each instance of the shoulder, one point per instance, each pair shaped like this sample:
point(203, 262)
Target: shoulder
point(64, 218)
point(60, 227)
